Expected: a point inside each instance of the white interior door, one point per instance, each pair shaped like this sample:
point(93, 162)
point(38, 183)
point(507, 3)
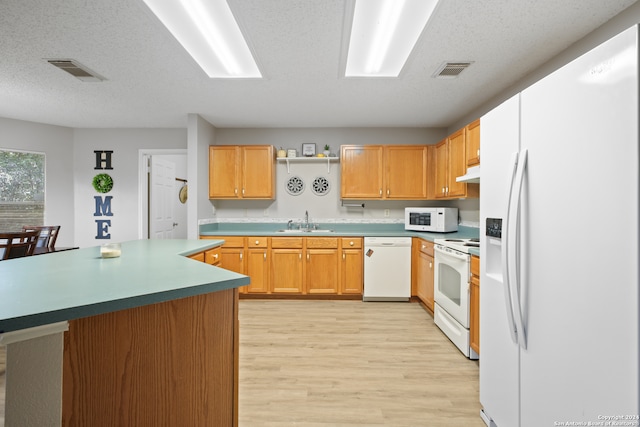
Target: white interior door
point(162, 175)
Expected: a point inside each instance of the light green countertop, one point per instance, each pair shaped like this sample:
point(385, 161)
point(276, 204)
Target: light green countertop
point(50, 288)
point(339, 229)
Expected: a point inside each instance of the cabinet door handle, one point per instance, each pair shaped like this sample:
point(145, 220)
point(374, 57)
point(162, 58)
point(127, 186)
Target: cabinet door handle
point(235, 191)
point(388, 192)
point(215, 256)
point(265, 256)
point(308, 256)
point(344, 256)
point(257, 242)
point(381, 192)
point(300, 256)
point(243, 191)
point(240, 256)
point(430, 265)
point(351, 243)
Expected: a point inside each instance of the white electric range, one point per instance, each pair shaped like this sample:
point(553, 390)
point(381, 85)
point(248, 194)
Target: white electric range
point(451, 291)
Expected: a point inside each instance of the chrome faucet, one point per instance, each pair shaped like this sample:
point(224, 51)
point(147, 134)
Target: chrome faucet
point(306, 219)
point(290, 224)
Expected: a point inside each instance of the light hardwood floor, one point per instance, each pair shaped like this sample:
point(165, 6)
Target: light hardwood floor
point(349, 363)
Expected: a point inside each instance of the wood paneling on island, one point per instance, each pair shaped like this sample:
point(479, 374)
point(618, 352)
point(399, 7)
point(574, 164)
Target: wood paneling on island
point(165, 364)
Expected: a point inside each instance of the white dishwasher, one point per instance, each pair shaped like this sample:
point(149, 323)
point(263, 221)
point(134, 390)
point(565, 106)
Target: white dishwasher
point(387, 269)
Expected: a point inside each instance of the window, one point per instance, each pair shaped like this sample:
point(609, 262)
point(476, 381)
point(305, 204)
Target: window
point(21, 189)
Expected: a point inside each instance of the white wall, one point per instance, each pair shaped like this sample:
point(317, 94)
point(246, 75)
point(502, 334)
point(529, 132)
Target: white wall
point(56, 143)
point(201, 135)
point(125, 144)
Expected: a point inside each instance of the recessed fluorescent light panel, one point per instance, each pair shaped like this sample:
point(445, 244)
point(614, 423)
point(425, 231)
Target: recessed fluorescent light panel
point(383, 34)
point(209, 32)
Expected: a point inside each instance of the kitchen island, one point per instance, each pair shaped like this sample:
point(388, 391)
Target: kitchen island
point(152, 337)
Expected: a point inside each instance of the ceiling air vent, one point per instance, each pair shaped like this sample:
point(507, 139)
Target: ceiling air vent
point(451, 70)
point(76, 69)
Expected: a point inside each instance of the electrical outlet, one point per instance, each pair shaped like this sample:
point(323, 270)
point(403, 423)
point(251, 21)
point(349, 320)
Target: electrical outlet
point(266, 212)
point(386, 212)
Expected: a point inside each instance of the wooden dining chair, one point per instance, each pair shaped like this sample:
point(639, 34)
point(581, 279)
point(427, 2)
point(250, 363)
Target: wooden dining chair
point(47, 234)
point(18, 244)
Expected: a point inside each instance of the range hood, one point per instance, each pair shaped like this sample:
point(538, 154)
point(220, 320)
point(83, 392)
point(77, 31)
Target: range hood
point(472, 176)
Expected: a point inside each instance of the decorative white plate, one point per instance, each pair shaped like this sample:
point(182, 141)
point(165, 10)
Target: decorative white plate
point(294, 185)
point(320, 186)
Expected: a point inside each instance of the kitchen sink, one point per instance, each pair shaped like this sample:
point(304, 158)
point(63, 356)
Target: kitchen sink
point(306, 230)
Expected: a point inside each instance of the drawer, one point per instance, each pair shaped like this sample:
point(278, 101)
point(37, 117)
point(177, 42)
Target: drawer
point(475, 265)
point(229, 241)
point(425, 247)
point(257, 242)
point(198, 257)
point(212, 256)
point(286, 242)
point(322, 242)
point(351, 242)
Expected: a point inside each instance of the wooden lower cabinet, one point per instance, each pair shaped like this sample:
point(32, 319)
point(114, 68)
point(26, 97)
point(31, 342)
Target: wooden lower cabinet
point(258, 270)
point(352, 266)
point(423, 271)
point(296, 265)
point(474, 305)
point(287, 265)
point(211, 256)
point(165, 364)
point(322, 267)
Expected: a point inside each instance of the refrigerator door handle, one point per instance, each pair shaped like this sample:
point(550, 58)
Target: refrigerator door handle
point(506, 252)
point(514, 257)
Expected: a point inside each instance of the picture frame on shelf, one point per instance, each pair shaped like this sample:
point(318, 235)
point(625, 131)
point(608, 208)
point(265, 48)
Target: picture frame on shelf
point(308, 149)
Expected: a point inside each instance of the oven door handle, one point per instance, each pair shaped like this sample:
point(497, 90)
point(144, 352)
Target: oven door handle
point(456, 255)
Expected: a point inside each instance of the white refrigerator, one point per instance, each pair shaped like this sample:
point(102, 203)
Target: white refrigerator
point(559, 300)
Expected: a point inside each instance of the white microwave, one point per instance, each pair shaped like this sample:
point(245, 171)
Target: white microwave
point(438, 220)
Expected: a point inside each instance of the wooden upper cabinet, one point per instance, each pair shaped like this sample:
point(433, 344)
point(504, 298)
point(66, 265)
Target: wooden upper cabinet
point(442, 168)
point(405, 172)
point(451, 162)
point(384, 172)
point(241, 172)
point(361, 171)
point(472, 131)
point(431, 172)
point(457, 163)
point(224, 168)
point(257, 172)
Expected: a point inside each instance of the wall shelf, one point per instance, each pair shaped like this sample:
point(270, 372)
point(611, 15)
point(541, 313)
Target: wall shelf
point(289, 160)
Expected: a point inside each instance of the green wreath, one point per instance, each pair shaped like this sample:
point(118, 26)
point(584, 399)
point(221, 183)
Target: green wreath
point(102, 183)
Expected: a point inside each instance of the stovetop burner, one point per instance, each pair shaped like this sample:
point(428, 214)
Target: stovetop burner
point(462, 245)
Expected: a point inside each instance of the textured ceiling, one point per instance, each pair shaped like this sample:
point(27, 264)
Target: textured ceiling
point(152, 82)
